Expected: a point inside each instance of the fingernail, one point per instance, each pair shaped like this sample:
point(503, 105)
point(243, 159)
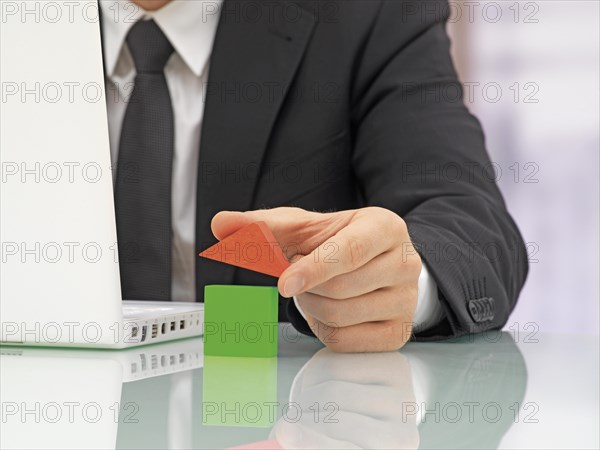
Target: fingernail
point(293, 285)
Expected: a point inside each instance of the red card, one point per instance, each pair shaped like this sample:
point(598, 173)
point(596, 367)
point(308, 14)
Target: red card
point(253, 247)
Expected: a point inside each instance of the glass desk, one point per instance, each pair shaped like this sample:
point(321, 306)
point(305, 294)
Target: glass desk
point(499, 390)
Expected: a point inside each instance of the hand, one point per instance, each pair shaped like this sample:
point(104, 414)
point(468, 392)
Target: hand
point(341, 395)
point(355, 273)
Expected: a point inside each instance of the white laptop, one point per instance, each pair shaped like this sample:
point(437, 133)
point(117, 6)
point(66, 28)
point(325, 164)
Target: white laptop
point(59, 279)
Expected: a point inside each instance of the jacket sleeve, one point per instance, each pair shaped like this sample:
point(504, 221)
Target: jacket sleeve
point(420, 153)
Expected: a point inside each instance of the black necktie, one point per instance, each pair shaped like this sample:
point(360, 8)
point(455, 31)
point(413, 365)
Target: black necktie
point(143, 183)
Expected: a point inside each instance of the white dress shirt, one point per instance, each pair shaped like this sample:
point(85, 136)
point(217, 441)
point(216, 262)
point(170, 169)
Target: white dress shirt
point(190, 26)
point(191, 31)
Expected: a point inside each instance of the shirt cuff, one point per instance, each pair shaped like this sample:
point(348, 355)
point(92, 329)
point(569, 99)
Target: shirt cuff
point(298, 307)
point(429, 310)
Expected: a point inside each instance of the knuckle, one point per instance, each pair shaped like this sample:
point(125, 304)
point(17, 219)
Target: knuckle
point(294, 210)
point(413, 293)
point(399, 228)
point(337, 344)
point(337, 347)
point(331, 314)
point(377, 211)
point(408, 304)
point(396, 300)
point(319, 272)
point(415, 263)
point(399, 223)
point(326, 333)
point(335, 288)
point(397, 334)
point(389, 219)
point(314, 271)
point(409, 256)
point(356, 249)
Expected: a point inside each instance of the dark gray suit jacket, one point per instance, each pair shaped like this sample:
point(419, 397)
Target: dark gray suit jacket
point(333, 105)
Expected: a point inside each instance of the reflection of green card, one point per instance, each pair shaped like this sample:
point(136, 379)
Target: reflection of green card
point(240, 392)
point(240, 320)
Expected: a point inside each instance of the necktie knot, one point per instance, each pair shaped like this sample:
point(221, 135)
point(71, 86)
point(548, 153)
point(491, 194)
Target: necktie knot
point(149, 47)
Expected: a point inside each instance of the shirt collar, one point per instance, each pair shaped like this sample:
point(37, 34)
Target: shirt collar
point(190, 26)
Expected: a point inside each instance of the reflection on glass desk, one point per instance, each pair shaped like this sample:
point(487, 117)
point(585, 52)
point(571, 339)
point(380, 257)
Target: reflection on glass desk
point(490, 391)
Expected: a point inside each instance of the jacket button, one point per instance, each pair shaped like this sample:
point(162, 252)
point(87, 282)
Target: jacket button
point(482, 309)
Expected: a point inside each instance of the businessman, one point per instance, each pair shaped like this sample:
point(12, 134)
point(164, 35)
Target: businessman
point(340, 124)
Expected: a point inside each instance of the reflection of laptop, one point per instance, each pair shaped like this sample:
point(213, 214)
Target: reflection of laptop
point(60, 279)
point(57, 398)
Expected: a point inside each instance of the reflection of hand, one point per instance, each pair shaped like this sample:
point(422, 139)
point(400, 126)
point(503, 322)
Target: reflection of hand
point(355, 273)
point(351, 401)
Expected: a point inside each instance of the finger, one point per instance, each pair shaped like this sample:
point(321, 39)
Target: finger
point(381, 369)
point(351, 247)
point(374, 400)
point(226, 223)
point(388, 335)
point(382, 271)
point(299, 230)
point(383, 304)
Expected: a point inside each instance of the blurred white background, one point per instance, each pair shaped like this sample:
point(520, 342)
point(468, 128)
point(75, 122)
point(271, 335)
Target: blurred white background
point(533, 71)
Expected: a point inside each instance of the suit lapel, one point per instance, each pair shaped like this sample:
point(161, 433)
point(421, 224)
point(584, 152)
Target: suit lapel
point(251, 68)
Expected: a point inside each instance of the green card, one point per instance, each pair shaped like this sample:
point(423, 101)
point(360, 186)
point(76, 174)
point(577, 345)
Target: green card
point(240, 321)
point(240, 392)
